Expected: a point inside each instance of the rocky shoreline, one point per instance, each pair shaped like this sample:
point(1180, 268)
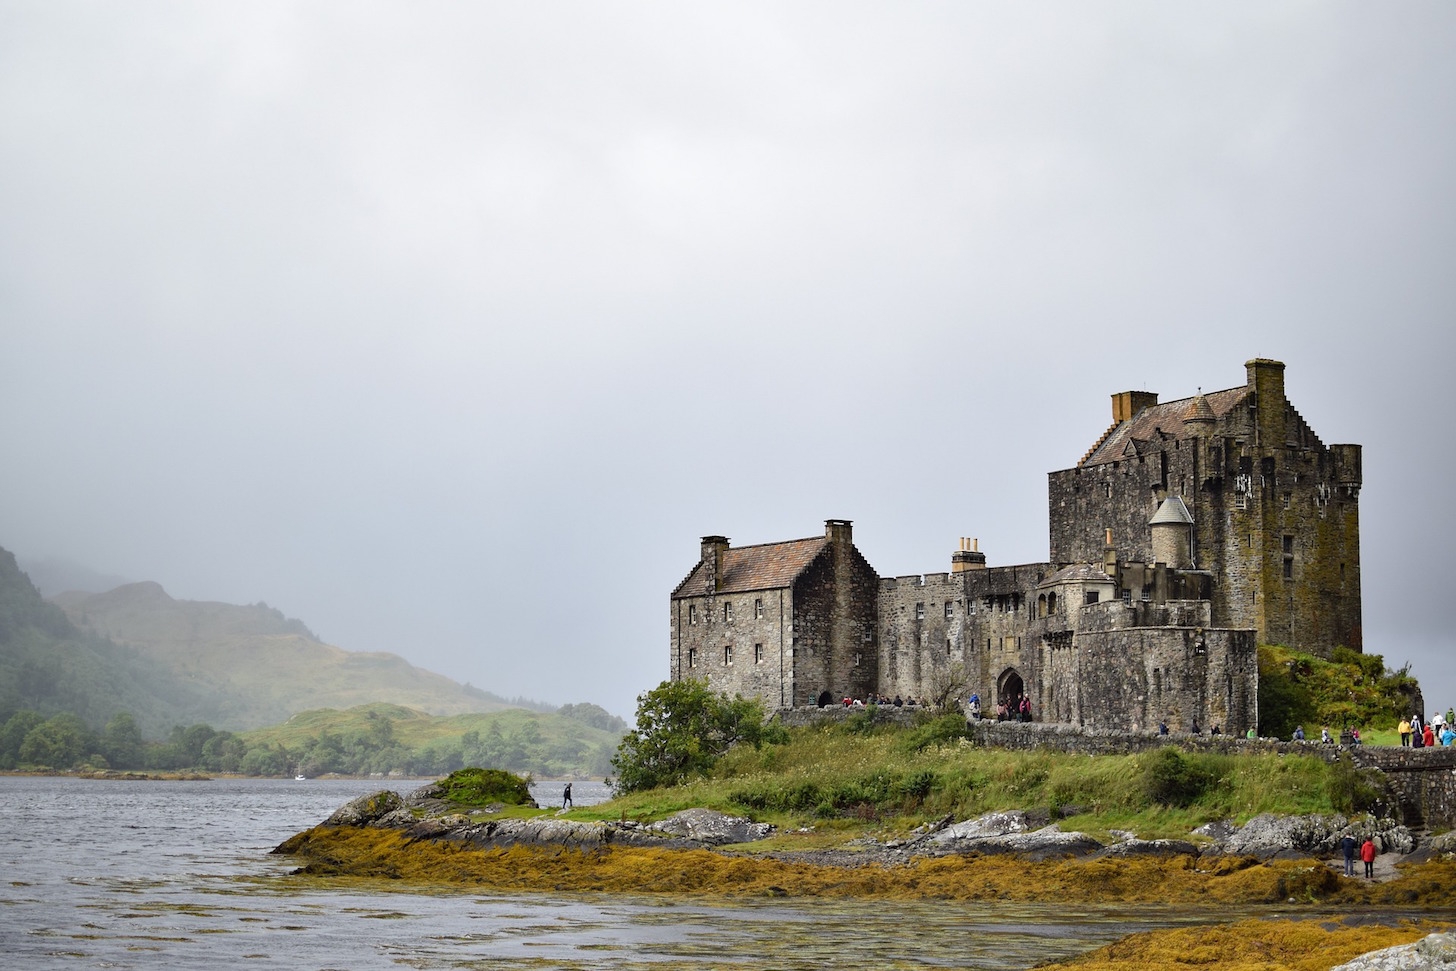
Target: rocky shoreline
point(423, 815)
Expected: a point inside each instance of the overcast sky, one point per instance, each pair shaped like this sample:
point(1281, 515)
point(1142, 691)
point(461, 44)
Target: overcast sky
point(449, 328)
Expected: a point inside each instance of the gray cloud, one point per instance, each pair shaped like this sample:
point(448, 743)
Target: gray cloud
point(449, 328)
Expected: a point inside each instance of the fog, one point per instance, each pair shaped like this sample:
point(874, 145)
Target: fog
point(449, 328)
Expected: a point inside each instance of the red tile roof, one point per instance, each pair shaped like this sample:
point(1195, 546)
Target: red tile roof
point(1164, 420)
point(767, 566)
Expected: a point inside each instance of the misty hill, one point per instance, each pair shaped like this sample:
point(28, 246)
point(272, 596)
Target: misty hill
point(50, 666)
point(255, 666)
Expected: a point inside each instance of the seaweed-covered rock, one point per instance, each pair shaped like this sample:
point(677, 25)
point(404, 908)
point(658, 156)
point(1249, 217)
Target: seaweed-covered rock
point(1436, 952)
point(714, 828)
point(365, 809)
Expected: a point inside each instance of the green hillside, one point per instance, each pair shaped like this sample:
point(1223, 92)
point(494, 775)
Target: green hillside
point(255, 666)
point(49, 666)
point(578, 741)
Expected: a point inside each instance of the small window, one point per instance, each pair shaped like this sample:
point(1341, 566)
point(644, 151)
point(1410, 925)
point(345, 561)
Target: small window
point(758, 654)
point(727, 653)
point(949, 610)
point(758, 608)
point(1288, 500)
point(692, 657)
point(857, 658)
point(692, 613)
point(947, 647)
point(1288, 568)
point(727, 612)
point(1288, 545)
point(920, 611)
point(1092, 597)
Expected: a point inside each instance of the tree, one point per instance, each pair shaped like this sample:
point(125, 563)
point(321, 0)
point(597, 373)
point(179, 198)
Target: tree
point(946, 685)
point(121, 742)
point(13, 734)
point(60, 742)
point(682, 730)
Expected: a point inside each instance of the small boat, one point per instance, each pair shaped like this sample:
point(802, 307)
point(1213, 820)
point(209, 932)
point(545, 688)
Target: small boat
point(300, 778)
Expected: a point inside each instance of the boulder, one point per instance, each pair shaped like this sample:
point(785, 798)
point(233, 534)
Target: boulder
point(991, 824)
point(1268, 836)
point(714, 828)
point(1007, 833)
point(1434, 953)
point(1156, 848)
point(366, 809)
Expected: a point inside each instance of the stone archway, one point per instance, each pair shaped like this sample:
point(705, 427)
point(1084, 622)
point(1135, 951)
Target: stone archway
point(825, 699)
point(1009, 691)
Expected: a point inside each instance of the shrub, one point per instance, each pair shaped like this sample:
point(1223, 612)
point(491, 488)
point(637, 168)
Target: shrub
point(1172, 778)
point(481, 787)
point(945, 730)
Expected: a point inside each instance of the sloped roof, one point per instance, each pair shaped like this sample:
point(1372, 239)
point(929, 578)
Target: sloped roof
point(1085, 572)
point(1161, 420)
point(1172, 511)
point(767, 566)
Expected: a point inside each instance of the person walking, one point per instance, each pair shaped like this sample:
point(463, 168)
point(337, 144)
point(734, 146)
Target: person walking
point(1404, 729)
point(566, 797)
point(1348, 846)
point(1367, 855)
point(1428, 736)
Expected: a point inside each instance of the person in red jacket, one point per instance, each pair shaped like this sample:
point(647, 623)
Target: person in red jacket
point(1428, 736)
point(1367, 854)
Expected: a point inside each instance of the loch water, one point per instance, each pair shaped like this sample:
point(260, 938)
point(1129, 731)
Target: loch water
point(130, 874)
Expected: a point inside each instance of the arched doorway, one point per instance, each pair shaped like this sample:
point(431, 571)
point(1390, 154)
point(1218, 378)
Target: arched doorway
point(1009, 690)
point(825, 699)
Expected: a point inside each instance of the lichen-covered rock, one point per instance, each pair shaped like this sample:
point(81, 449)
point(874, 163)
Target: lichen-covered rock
point(991, 824)
point(1156, 848)
point(1007, 833)
point(1268, 836)
point(365, 809)
point(1434, 953)
point(714, 828)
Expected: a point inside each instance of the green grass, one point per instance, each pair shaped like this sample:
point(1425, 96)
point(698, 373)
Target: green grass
point(841, 783)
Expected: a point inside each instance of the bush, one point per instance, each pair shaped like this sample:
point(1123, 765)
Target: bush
point(481, 787)
point(944, 730)
point(1175, 779)
point(1351, 790)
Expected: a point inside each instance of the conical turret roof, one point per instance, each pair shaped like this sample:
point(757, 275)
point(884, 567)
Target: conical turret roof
point(1199, 410)
point(1172, 511)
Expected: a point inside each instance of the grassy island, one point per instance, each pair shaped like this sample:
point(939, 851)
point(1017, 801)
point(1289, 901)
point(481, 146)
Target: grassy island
point(838, 795)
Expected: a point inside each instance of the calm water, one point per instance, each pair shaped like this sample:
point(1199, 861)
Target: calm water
point(177, 874)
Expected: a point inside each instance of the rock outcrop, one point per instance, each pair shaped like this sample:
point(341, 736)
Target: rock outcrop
point(714, 828)
point(1434, 953)
point(1269, 836)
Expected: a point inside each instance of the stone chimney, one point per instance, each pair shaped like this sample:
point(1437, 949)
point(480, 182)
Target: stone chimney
point(968, 557)
point(1109, 555)
point(1126, 404)
point(713, 549)
point(839, 531)
point(1266, 380)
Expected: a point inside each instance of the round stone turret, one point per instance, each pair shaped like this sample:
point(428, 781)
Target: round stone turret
point(1172, 527)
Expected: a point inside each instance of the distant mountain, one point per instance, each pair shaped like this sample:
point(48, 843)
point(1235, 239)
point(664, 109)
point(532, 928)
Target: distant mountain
point(52, 575)
point(255, 666)
point(50, 666)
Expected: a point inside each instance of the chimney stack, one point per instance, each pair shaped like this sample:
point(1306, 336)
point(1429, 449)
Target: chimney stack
point(1126, 404)
point(968, 557)
point(839, 530)
point(712, 556)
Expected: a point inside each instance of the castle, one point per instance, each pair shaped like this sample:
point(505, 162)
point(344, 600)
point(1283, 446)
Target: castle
point(1190, 532)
